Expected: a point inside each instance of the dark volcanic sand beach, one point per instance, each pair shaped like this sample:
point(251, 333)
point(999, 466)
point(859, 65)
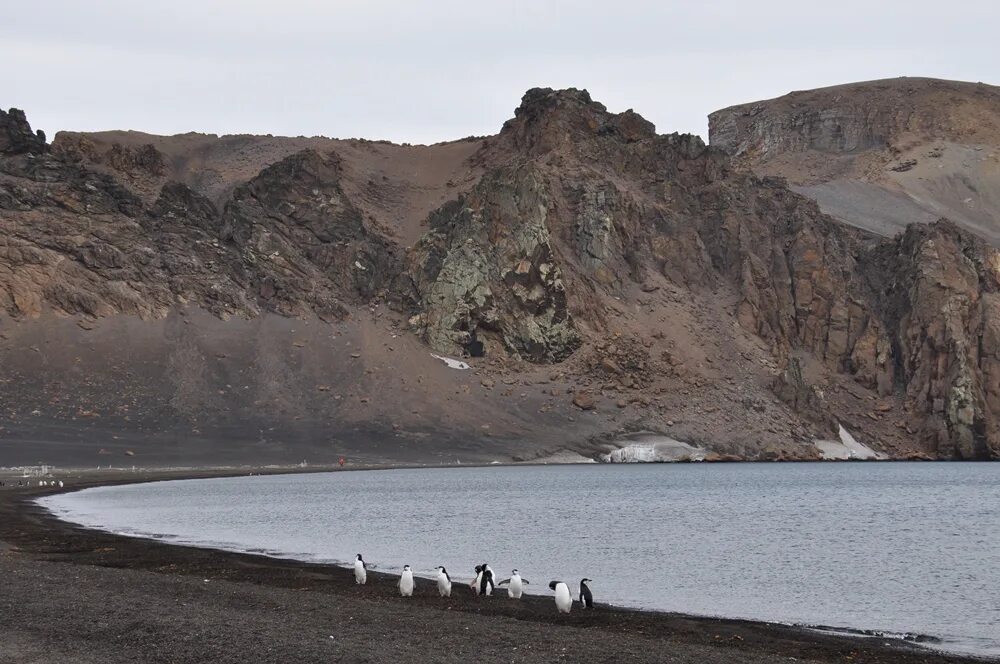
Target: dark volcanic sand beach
point(68, 594)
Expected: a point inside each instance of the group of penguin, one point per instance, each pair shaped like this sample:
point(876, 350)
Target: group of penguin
point(484, 584)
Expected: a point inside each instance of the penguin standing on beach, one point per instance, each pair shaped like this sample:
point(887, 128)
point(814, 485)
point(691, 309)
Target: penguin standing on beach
point(474, 584)
point(515, 584)
point(360, 574)
point(406, 582)
point(444, 582)
point(486, 584)
point(564, 601)
point(483, 585)
point(586, 597)
point(488, 572)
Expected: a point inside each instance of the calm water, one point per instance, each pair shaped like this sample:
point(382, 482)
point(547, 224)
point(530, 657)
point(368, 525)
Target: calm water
point(893, 546)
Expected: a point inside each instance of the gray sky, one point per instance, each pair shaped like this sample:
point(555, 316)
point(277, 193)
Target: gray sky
point(423, 72)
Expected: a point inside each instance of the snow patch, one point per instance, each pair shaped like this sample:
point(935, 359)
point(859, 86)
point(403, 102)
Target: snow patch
point(453, 364)
point(846, 448)
point(563, 457)
point(654, 449)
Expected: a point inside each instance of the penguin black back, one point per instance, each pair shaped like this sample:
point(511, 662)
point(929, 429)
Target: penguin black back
point(487, 579)
point(586, 597)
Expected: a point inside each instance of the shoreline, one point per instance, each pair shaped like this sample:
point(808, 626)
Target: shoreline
point(31, 536)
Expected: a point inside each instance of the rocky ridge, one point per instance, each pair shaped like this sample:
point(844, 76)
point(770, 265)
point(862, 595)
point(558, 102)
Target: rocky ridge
point(880, 154)
point(599, 278)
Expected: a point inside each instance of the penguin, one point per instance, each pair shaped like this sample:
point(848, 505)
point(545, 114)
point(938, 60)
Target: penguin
point(486, 584)
point(360, 575)
point(564, 601)
point(515, 587)
point(474, 584)
point(444, 582)
point(406, 582)
point(586, 597)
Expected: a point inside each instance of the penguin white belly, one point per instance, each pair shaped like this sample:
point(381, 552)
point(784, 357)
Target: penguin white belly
point(444, 586)
point(476, 584)
point(360, 575)
point(564, 602)
point(406, 584)
point(515, 588)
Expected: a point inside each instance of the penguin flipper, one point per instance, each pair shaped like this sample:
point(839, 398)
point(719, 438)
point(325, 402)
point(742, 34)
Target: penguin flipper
point(503, 582)
point(525, 581)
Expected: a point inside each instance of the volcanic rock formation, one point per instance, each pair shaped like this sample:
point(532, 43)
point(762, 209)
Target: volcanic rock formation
point(882, 154)
point(233, 299)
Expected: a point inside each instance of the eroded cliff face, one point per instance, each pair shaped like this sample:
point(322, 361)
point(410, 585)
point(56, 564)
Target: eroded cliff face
point(857, 117)
point(879, 155)
point(622, 279)
point(938, 294)
point(487, 277)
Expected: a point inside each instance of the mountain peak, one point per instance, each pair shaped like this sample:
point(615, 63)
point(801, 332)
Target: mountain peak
point(548, 119)
point(16, 136)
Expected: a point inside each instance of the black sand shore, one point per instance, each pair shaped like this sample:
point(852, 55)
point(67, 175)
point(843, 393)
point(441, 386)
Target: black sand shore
point(69, 594)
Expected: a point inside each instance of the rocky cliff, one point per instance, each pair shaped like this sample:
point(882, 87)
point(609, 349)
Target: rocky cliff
point(288, 299)
point(879, 155)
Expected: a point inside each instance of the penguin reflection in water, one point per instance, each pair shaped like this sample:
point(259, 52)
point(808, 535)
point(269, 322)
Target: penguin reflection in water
point(406, 582)
point(564, 601)
point(444, 582)
point(360, 574)
point(515, 584)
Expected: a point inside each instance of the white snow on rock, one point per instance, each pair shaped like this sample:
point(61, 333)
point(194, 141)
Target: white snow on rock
point(846, 448)
point(453, 364)
point(650, 448)
point(563, 457)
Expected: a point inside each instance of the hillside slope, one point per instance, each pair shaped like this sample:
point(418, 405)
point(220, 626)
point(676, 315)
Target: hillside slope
point(200, 299)
point(880, 154)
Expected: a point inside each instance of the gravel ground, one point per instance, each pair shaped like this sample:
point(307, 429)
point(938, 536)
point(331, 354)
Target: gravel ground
point(67, 594)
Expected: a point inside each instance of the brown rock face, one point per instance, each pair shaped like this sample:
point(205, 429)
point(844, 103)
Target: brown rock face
point(879, 155)
point(16, 136)
point(487, 276)
point(939, 298)
point(855, 118)
point(657, 273)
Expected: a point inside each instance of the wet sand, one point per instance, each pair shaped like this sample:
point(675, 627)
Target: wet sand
point(70, 594)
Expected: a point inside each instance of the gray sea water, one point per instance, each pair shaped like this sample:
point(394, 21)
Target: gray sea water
point(895, 547)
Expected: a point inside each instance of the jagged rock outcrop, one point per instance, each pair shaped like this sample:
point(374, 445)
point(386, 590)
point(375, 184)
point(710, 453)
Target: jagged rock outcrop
point(487, 276)
point(143, 159)
point(939, 294)
point(16, 136)
point(304, 245)
point(597, 276)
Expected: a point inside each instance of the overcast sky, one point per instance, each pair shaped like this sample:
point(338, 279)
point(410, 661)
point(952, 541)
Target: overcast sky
point(430, 71)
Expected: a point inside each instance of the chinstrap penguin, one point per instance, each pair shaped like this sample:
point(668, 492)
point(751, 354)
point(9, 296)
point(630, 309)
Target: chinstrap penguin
point(360, 574)
point(406, 582)
point(444, 582)
point(564, 601)
point(515, 584)
point(586, 597)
